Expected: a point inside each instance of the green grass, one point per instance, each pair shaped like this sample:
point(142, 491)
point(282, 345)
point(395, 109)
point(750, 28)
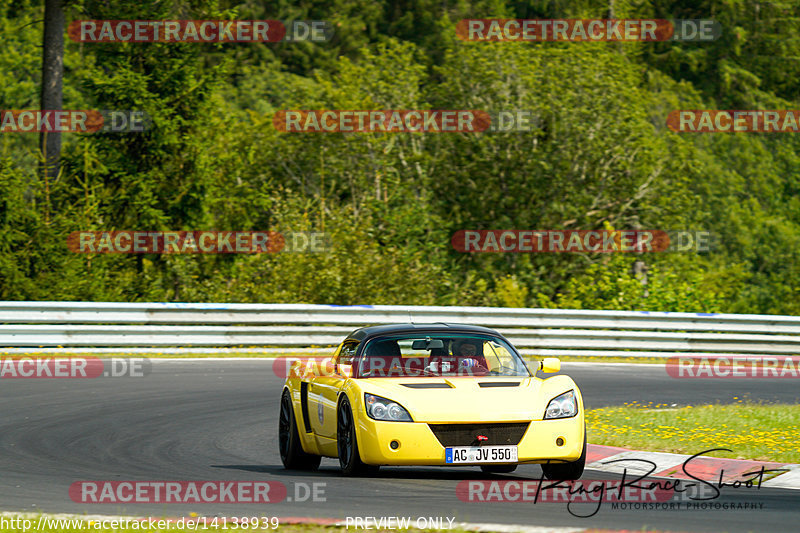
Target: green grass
point(758, 431)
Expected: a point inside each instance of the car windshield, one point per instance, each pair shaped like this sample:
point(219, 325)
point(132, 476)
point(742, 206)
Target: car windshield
point(436, 355)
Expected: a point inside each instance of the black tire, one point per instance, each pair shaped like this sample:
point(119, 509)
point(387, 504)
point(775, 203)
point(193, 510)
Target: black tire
point(498, 469)
point(567, 471)
point(292, 455)
point(346, 444)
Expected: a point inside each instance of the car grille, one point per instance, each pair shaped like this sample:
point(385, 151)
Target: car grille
point(467, 434)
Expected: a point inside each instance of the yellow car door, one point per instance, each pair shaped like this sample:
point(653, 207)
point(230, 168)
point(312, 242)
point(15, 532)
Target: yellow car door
point(325, 392)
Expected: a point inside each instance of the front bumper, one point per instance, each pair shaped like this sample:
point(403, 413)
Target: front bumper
point(419, 446)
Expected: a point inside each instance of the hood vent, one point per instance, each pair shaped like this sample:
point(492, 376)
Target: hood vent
point(427, 385)
point(499, 384)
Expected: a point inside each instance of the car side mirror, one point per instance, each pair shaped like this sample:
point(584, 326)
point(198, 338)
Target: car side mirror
point(550, 365)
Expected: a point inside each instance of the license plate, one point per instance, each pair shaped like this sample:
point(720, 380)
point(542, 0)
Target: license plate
point(480, 454)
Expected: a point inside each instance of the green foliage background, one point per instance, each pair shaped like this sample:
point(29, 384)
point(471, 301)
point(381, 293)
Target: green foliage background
point(600, 157)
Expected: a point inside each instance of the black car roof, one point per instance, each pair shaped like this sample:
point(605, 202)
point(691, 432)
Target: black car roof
point(440, 327)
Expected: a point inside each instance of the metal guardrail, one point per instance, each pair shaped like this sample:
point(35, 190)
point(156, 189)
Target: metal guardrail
point(534, 331)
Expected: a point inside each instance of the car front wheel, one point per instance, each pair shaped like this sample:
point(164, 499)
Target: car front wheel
point(347, 446)
point(292, 455)
point(567, 471)
point(498, 469)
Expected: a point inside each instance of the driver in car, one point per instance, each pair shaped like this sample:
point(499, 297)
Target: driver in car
point(469, 360)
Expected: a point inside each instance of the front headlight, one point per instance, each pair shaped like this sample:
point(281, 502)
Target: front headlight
point(562, 406)
point(384, 409)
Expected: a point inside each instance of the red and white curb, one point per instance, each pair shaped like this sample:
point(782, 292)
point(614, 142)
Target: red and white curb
point(670, 465)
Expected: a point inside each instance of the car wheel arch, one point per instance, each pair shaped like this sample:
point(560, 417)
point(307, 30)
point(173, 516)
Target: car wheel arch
point(354, 406)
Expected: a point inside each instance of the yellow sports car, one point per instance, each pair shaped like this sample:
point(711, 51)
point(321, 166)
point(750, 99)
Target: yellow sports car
point(431, 394)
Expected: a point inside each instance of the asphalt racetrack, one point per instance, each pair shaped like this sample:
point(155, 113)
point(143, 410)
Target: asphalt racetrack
point(217, 420)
